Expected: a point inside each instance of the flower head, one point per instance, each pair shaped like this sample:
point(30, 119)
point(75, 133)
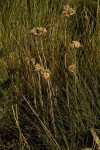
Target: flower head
point(38, 67)
point(46, 74)
point(75, 44)
point(39, 31)
point(72, 68)
point(33, 61)
point(68, 11)
point(27, 60)
point(71, 45)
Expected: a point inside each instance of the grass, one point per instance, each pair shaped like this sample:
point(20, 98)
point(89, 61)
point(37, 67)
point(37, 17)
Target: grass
point(59, 112)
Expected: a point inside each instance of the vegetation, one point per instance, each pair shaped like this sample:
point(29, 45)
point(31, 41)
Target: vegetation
point(49, 75)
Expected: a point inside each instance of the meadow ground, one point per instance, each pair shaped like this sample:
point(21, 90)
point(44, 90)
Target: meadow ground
point(49, 74)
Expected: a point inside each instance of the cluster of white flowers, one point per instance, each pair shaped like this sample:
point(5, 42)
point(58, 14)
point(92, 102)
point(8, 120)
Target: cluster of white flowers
point(75, 44)
point(39, 31)
point(68, 11)
point(45, 72)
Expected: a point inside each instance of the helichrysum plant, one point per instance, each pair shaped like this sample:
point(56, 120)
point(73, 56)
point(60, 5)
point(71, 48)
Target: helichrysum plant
point(39, 31)
point(68, 11)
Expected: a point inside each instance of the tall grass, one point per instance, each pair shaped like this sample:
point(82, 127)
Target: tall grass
point(55, 113)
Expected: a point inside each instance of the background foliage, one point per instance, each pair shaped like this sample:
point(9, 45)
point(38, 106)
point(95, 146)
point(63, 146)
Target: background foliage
point(59, 113)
